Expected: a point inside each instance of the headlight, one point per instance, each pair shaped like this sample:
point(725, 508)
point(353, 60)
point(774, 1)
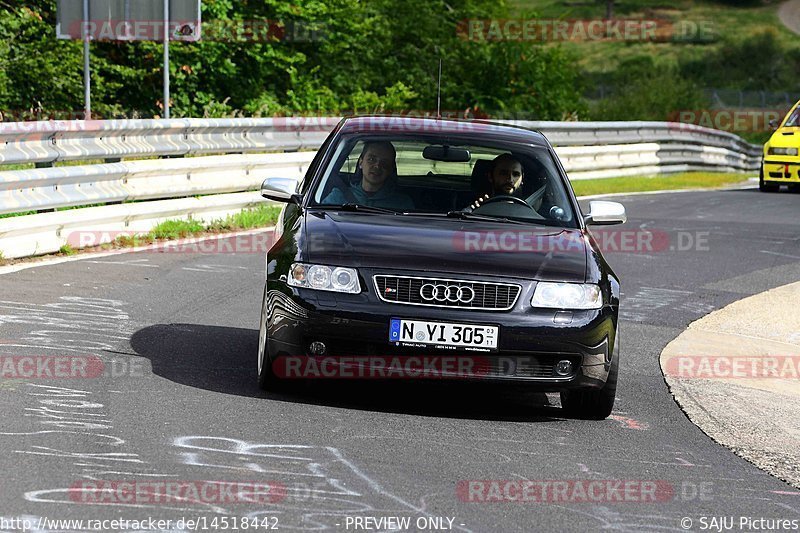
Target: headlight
point(777, 150)
point(324, 278)
point(567, 296)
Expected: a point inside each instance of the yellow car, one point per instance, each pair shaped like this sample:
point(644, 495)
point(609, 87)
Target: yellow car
point(781, 162)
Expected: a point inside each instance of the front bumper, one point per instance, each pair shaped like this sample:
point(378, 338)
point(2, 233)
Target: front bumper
point(781, 170)
point(531, 342)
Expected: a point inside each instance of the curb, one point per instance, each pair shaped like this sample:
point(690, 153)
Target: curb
point(736, 375)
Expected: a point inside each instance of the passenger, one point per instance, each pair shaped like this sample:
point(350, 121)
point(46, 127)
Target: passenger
point(376, 185)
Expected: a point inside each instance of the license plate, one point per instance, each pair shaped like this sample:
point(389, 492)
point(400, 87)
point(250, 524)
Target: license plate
point(443, 334)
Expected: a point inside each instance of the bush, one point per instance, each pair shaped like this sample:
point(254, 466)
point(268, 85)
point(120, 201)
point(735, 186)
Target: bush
point(757, 62)
point(645, 90)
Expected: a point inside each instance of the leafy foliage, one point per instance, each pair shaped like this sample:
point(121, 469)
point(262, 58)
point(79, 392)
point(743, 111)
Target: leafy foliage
point(329, 57)
point(644, 89)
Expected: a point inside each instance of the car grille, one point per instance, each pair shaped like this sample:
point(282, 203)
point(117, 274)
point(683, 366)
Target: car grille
point(524, 367)
point(474, 294)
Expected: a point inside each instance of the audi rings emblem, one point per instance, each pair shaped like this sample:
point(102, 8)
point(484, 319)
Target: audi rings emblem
point(446, 293)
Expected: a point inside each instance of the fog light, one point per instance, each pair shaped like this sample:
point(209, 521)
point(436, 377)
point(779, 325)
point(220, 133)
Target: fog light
point(564, 367)
point(563, 317)
point(317, 348)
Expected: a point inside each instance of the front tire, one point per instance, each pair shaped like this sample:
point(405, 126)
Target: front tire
point(593, 404)
point(763, 186)
point(267, 380)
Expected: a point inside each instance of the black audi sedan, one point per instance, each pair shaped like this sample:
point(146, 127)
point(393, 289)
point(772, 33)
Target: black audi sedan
point(440, 249)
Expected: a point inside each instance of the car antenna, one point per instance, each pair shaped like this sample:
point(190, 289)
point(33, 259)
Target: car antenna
point(439, 92)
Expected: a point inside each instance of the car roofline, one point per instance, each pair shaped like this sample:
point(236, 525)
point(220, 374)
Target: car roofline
point(519, 133)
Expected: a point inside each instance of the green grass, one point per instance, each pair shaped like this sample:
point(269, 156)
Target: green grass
point(176, 229)
point(683, 180)
point(263, 215)
point(22, 214)
point(724, 20)
point(257, 217)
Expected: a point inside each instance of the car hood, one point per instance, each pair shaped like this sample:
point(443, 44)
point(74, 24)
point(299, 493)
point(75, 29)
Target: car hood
point(442, 245)
point(786, 137)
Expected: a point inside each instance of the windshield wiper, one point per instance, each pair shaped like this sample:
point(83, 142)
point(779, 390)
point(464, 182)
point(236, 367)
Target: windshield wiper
point(366, 208)
point(466, 215)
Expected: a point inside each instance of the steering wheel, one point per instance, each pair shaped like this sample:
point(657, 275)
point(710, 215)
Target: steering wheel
point(505, 198)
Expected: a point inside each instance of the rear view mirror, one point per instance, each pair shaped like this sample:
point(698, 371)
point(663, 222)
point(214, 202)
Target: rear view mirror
point(605, 214)
point(446, 153)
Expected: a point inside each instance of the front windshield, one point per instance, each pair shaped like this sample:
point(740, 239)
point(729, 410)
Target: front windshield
point(429, 176)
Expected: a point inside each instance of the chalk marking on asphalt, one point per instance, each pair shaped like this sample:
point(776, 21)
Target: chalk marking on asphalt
point(52, 395)
point(102, 319)
point(630, 423)
point(780, 254)
point(377, 487)
point(310, 464)
point(214, 269)
point(611, 519)
point(51, 308)
point(134, 262)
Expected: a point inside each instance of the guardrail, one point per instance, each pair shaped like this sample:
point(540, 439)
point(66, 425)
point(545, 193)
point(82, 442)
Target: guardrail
point(51, 188)
point(587, 150)
point(77, 140)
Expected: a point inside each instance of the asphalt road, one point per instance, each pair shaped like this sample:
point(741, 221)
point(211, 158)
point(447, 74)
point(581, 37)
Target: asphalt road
point(180, 332)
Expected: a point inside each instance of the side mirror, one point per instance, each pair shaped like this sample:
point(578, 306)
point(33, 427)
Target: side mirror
point(605, 214)
point(773, 123)
point(280, 190)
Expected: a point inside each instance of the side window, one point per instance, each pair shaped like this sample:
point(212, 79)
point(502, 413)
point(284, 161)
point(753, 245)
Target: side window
point(305, 183)
point(338, 165)
point(349, 165)
point(794, 118)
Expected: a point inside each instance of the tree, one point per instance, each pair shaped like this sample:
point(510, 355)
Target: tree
point(609, 8)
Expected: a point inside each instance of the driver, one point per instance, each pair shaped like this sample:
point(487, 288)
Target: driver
point(505, 176)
